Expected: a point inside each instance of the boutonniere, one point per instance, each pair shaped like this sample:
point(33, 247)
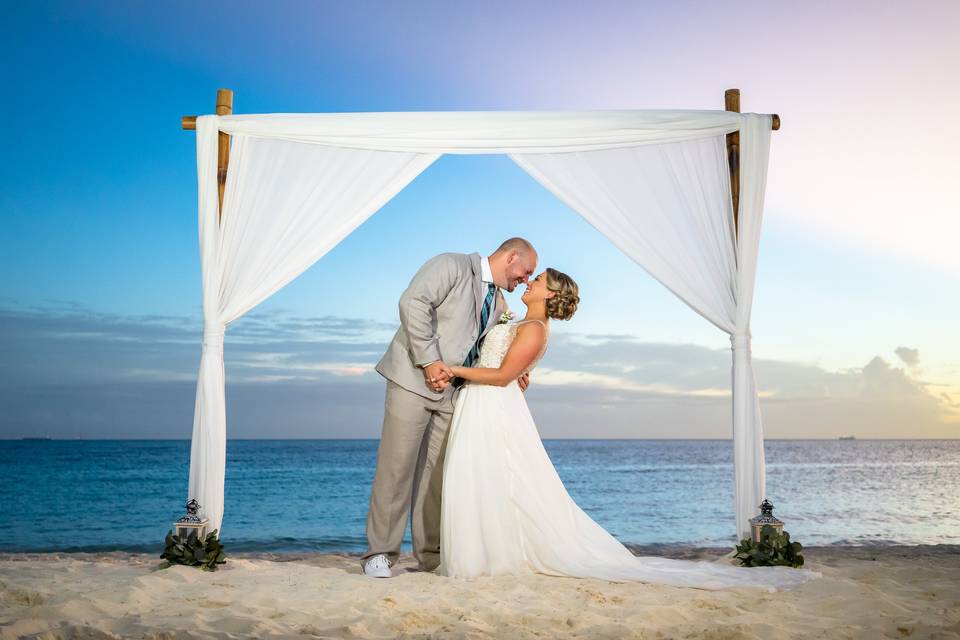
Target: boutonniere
point(506, 317)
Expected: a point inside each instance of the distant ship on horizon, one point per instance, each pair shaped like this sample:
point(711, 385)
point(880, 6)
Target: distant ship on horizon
point(847, 438)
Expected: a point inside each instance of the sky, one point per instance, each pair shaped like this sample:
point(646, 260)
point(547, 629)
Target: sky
point(854, 316)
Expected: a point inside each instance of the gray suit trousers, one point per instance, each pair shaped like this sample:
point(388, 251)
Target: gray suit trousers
point(409, 474)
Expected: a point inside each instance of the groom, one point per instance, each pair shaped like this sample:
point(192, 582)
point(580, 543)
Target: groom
point(447, 309)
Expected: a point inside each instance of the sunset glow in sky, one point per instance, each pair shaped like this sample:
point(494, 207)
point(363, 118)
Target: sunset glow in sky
point(856, 304)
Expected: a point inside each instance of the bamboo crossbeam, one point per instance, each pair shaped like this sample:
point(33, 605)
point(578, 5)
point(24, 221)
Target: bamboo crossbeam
point(189, 123)
point(731, 103)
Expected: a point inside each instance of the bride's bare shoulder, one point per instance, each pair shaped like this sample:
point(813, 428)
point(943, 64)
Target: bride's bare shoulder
point(532, 328)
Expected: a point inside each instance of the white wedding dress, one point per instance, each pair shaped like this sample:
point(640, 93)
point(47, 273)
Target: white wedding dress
point(506, 511)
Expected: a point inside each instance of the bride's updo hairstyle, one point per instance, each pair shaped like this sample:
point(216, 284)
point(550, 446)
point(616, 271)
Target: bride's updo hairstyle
point(563, 305)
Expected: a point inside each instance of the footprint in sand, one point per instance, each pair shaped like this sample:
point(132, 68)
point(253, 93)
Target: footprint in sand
point(213, 604)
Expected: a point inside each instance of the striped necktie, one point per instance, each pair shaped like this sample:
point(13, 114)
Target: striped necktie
point(484, 316)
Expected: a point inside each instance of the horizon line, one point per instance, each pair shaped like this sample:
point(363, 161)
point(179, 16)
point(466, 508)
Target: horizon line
point(73, 439)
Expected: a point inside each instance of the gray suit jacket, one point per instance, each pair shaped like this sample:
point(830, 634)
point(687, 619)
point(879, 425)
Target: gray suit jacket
point(439, 320)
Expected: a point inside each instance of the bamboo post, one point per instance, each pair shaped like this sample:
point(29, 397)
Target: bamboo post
point(731, 99)
point(732, 103)
point(189, 123)
point(224, 108)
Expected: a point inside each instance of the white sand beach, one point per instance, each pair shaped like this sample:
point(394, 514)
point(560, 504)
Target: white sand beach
point(865, 592)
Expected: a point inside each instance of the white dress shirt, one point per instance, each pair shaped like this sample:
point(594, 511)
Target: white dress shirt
point(485, 273)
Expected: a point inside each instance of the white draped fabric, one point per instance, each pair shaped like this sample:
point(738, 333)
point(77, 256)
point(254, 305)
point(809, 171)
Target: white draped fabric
point(285, 205)
point(668, 207)
point(655, 182)
point(748, 461)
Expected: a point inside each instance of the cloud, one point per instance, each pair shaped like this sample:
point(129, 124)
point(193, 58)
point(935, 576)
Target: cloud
point(626, 387)
point(70, 344)
point(910, 357)
point(70, 370)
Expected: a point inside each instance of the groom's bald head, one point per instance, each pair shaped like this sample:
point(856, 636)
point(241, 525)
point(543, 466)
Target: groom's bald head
point(520, 245)
point(513, 262)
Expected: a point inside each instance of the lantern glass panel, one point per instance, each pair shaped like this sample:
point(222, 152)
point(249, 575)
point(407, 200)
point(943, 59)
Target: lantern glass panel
point(183, 529)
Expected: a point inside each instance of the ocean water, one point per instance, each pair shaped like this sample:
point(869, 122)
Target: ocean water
point(311, 495)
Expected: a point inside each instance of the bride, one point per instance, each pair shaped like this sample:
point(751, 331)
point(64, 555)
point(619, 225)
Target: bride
point(505, 509)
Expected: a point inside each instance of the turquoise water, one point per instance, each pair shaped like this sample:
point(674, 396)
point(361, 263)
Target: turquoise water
point(299, 495)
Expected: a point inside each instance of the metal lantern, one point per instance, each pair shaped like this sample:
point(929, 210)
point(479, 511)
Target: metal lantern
point(191, 522)
point(766, 517)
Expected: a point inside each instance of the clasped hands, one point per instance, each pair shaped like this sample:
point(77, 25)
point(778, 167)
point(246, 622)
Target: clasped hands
point(438, 377)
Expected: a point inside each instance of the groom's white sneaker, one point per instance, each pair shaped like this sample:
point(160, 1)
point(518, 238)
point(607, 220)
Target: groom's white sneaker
point(377, 567)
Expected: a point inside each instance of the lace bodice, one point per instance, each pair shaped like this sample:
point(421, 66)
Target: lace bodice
point(497, 342)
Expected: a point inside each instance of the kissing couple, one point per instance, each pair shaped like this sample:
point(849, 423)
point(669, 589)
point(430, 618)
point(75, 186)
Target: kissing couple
point(460, 448)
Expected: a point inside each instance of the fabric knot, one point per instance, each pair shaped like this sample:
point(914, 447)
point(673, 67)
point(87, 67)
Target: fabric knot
point(213, 336)
point(740, 341)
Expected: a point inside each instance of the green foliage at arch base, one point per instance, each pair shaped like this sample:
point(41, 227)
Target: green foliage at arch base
point(192, 551)
point(772, 550)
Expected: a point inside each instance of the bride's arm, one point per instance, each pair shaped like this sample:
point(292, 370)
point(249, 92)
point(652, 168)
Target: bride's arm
point(523, 350)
